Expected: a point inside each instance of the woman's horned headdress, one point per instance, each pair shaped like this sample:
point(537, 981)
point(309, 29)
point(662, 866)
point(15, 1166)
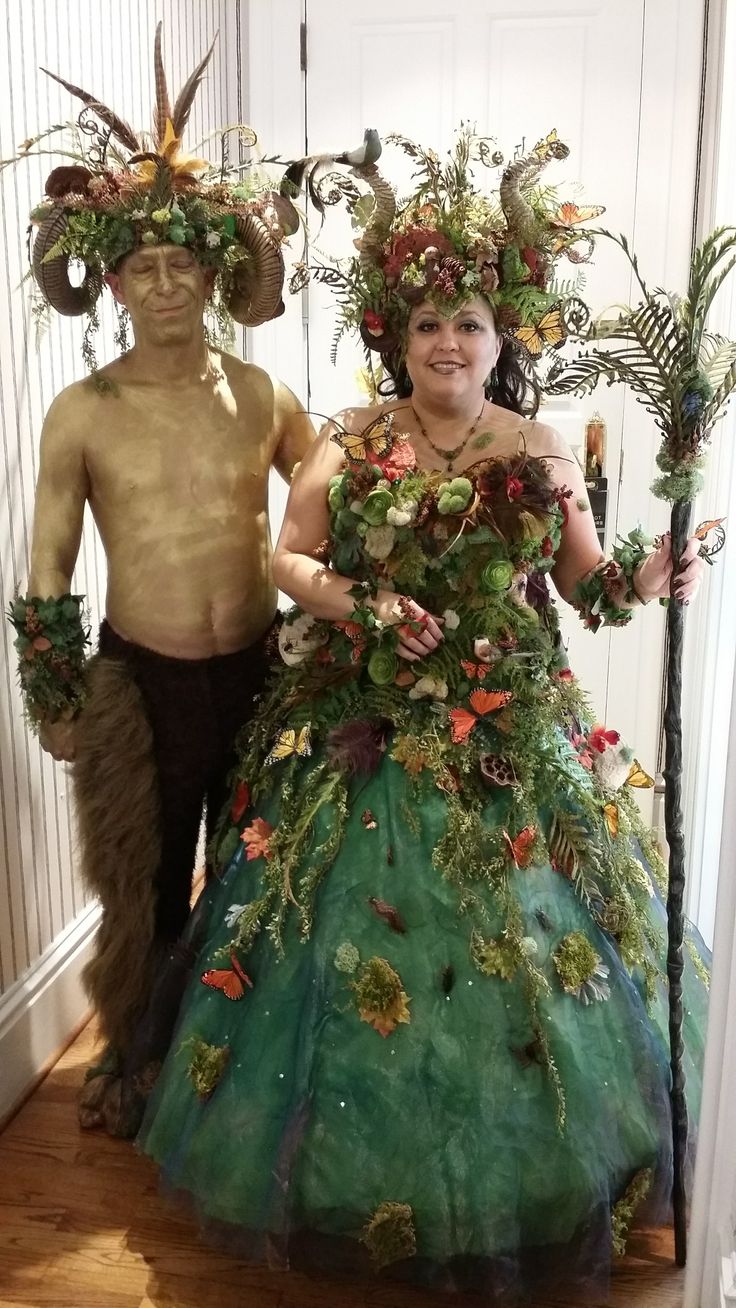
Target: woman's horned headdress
point(450, 241)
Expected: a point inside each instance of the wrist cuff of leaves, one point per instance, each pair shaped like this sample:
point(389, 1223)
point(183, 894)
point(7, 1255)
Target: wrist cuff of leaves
point(50, 639)
point(600, 595)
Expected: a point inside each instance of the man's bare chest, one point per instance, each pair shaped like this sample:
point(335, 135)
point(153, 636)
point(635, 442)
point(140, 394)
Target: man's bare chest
point(203, 453)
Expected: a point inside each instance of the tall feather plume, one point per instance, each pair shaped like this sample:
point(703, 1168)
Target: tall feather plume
point(121, 130)
point(163, 105)
point(185, 98)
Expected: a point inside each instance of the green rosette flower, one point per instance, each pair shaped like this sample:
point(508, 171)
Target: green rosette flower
point(496, 576)
point(376, 506)
point(382, 667)
point(335, 498)
point(454, 496)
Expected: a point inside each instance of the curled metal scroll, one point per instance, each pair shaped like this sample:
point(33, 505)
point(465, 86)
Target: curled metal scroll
point(90, 125)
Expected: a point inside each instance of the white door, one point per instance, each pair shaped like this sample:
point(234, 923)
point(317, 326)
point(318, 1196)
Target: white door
point(620, 83)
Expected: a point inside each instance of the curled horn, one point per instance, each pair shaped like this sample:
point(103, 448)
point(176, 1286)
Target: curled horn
point(52, 275)
point(518, 212)
point(382, 216)
point(258, 283)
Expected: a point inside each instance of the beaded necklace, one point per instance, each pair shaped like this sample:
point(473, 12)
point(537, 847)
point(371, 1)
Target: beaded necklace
point(449, 455)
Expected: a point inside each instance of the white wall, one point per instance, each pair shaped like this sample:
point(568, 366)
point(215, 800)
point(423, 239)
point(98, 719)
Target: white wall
point(711, 717)
point(106, 48)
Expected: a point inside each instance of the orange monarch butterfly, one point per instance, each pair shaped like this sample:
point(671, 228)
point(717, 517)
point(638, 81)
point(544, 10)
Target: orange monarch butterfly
point(638, 777)
point(610, 812)
point(708, 552)
point(702, 531)
point(462, 721)
point(230, 981)
point(520, 849)
point(288, 742)
point(549, 331)
point(375, 440)
point(569, 215)
point(477, 671)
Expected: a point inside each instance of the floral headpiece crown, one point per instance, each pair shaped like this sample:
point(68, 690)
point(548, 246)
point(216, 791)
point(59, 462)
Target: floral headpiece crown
point(125, 190)
point(449, 242)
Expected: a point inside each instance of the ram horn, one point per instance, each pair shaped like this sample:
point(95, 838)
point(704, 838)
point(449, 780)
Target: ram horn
point(383, 215)
point(518, 176)
point(52, 274)
point(258, 281)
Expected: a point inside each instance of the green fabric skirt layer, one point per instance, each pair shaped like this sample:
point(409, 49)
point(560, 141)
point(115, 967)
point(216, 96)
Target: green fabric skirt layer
point(483, 1142)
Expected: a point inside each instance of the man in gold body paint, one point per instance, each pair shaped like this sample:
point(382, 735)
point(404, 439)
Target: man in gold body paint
point(173, 457)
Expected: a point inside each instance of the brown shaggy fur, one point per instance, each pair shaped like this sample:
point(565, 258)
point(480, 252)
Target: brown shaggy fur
point(116, 789)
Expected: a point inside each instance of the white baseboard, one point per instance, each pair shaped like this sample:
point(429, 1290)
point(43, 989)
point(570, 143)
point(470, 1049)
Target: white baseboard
point(728, 1270)
point(42, 1008)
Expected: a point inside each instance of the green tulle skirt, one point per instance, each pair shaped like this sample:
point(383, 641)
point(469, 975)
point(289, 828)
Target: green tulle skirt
point(489, 1138)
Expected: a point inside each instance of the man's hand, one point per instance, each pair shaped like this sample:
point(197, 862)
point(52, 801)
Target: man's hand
point(58, 739)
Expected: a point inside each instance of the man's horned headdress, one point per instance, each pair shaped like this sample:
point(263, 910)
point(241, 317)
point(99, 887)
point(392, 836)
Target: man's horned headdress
point(124, 190)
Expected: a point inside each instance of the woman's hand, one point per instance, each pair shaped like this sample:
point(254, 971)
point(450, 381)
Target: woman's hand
point(652, 579)
point(399, 610)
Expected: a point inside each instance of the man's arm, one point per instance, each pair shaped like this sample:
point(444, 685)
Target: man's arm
point(61, 493)
point(293, 429)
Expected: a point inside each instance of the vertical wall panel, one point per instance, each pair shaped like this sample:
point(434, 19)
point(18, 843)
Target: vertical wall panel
point(108, 49)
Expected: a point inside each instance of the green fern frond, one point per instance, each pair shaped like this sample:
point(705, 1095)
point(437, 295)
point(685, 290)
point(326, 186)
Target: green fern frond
point(717, 354)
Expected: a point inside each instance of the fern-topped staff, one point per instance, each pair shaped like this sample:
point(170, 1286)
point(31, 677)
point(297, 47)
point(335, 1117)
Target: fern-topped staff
point(684, 375)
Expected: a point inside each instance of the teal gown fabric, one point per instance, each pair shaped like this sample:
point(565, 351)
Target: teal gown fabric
point(431, 1037)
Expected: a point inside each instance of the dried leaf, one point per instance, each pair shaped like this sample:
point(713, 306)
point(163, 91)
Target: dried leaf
point(389, 914)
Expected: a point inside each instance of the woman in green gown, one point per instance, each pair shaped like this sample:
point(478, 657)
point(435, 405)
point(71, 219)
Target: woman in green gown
point(427, 1030)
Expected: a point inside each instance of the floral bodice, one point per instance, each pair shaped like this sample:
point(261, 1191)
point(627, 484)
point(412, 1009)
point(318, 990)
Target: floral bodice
point(474, 550)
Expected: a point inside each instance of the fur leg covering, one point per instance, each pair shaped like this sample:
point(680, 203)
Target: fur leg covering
point(117, 801)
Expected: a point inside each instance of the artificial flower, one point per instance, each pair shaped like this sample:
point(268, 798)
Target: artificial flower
point(429, 688)
point(599, 739)
point(379, 541)
point(241, 800)
point(497, 576)
point(299, 637)
point(382, 667)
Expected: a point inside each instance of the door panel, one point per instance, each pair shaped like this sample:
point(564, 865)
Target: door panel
point(421, 71)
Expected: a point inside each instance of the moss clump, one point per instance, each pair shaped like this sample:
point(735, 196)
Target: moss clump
point(499, 957)
point(380, 997)
point(622, 1214)
point(206, 1065)
point(390, 1236)
point(576, 961)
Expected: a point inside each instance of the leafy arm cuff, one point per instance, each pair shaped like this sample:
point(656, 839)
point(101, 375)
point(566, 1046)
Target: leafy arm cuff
point(607, 595)
point(51, 640)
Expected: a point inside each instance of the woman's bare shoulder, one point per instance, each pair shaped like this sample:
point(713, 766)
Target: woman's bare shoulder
point(357, 418)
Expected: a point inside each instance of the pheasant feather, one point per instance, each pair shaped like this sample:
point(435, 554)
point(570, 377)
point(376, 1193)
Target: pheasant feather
point(121, 130)
point(185, 98)
point(162, 111)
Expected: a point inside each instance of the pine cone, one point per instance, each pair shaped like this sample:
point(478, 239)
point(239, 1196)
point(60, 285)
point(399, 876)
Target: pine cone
point(454, 267)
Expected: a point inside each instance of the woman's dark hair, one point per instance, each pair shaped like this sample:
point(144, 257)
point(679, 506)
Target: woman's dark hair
point(514, 386)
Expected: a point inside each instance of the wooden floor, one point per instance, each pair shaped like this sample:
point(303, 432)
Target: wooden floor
point(82, 1225)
